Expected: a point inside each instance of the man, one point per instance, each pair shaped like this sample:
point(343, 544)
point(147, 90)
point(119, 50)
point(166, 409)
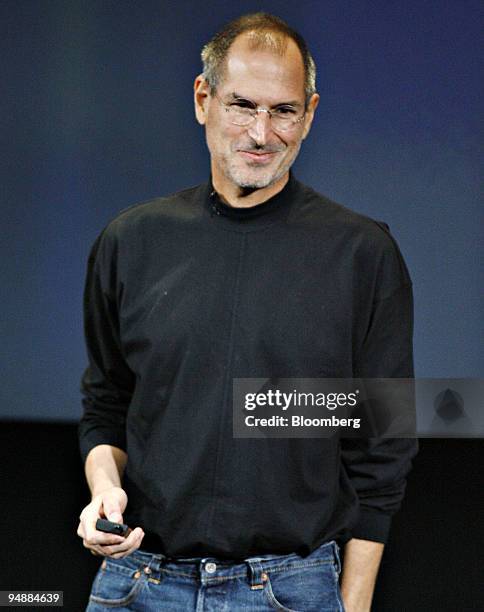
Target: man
point(250, 275)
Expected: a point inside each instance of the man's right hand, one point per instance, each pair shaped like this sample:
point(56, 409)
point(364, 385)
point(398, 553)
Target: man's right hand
point(109, 504)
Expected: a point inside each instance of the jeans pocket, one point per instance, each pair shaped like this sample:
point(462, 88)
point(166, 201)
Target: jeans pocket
point(273, 601)
point(309, 588)
point(117, 583)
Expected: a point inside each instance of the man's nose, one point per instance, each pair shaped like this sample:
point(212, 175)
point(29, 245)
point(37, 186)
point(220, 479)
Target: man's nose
point(260, 127)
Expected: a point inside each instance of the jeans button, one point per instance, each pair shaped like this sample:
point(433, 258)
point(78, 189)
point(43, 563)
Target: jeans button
point(210, 567)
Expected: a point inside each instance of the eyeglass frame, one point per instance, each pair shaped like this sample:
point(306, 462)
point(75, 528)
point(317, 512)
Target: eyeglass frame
point(253, 112)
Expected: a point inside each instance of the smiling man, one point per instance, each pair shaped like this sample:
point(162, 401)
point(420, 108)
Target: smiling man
point(252, 274)
point(257, 116)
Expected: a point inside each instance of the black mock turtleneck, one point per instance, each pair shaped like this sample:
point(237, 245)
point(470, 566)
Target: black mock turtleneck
point(276, 204)
point(184, 294)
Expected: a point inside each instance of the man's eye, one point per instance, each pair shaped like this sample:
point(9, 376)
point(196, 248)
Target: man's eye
point(285, 110)
point(242, 104)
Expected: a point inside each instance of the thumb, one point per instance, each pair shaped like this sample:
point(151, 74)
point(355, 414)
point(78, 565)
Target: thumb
point(115, 517)
point(112, 511)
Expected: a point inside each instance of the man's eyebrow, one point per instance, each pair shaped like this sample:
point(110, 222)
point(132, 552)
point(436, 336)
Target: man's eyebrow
point(235, 96)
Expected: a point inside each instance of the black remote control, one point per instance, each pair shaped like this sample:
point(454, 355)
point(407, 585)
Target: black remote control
point(110, 527)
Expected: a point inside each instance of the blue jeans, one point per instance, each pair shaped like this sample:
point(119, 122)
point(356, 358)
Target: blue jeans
point(146, 582)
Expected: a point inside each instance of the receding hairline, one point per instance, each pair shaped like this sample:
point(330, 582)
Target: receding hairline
point(267, 39)
point(262, 31)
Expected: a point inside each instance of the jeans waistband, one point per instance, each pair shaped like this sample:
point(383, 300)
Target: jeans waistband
point(211, 569)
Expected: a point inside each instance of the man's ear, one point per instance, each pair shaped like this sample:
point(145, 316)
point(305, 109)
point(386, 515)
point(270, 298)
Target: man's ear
point(312, 106)
point(201, 91)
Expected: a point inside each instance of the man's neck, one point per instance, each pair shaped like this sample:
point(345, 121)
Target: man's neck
point(238, 197)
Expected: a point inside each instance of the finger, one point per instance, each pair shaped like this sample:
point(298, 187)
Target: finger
point(94, 550)
point(112, 510)
point(87, 523)
point(120, 555)
point(113, 515)
point(129, 545)
point(99, 538)
point(81, 529)
point(131, 542)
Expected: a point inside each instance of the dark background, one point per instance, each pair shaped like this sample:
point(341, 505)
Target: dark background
point(96, 114)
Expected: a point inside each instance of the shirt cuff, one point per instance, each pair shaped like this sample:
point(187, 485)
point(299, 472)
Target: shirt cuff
point(97, 437)
point(371, 525)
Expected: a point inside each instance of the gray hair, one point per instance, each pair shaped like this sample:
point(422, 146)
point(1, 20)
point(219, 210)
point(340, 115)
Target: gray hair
point(265, 32)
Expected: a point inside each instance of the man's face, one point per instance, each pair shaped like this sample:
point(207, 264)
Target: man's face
point(254, 156)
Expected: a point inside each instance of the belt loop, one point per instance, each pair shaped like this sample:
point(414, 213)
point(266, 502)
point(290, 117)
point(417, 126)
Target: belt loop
point(155, 563)
point(337, 558)
point(257, 576)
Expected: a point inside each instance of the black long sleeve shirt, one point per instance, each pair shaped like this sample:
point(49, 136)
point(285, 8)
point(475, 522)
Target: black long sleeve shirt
point(185, 293)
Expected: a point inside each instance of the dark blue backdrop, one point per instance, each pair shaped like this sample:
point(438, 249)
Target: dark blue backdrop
point(96, 114)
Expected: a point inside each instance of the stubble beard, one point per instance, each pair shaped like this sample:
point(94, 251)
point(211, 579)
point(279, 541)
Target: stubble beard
point(259, 178)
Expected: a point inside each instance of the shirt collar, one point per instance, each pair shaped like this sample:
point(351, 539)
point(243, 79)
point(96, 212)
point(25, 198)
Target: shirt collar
point(266, 209)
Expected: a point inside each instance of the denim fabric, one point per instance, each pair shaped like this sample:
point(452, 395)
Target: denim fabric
point(147, 582)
